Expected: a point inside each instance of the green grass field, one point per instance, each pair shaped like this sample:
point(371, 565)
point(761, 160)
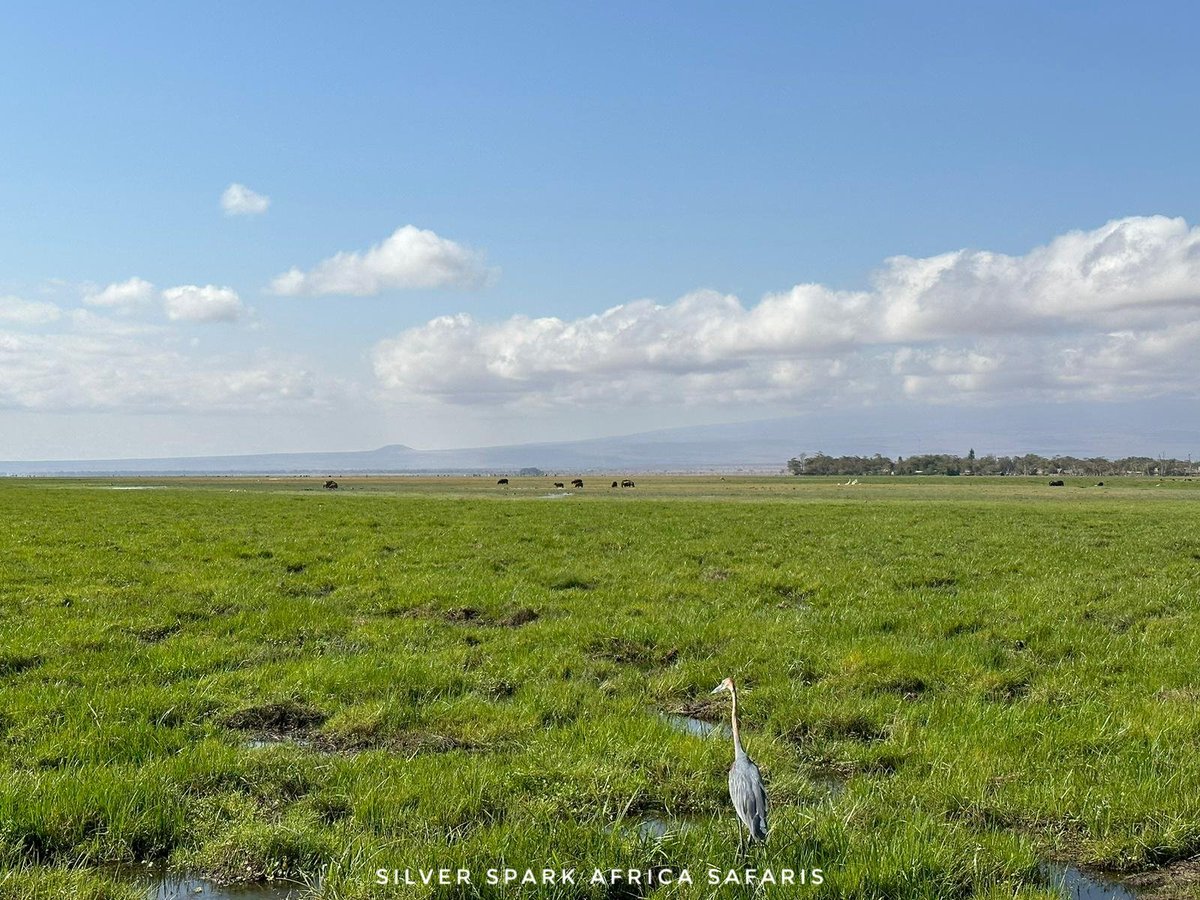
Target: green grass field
point(945, 681)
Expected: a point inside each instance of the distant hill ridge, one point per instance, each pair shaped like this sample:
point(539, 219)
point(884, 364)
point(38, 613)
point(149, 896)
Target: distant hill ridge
point(1111, 430)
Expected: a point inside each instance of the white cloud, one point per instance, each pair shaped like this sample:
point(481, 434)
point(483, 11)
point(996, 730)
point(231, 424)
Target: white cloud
point(239, 200)
point(190, 303)
point(1113, 311)
point(410, 258)
point(27, 312)
point(140, 369)
point(122, 295)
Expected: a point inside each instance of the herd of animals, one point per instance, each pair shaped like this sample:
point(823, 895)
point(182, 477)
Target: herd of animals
point(331, 485)
point(577, 483)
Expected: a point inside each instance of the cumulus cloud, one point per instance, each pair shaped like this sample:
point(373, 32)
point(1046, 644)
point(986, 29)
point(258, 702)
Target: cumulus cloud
point(16, 311)
point(121, 295)
point(410, 258)
point(1112, 311)
point(190, 303)
point(239, 200)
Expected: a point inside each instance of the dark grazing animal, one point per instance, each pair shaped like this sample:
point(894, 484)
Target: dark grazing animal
point(1056, 483)
point(502, 481)
point(577, 483)
point(330, 485)
point(558, 484)
point(627, 483)
point(614, 484)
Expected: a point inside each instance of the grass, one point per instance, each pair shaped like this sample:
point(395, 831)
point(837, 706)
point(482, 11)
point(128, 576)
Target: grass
point(254, 679)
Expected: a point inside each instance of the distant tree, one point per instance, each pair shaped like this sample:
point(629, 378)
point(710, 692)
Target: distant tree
point(1027, 464)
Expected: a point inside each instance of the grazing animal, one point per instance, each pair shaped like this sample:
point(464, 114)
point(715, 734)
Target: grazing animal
point(614, 484)
point(1056, 483)
point(330, 485)
point(745, 783)
point(627, 483)
point(577, 483)
point(558, 484)
point(502, 481)
point(1101, 483)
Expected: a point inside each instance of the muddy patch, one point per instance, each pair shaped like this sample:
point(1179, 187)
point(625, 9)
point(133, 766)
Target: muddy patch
point(845, 727)
point(153, 634)
point(511, 617)
point(907, 687)
point(945, 584)
point(644, 654)
point(791, 595)
point(16, 664)
point(286, 721)
point(1007, 688)
point(522, 615)
point(405, 743)
point(571, 583)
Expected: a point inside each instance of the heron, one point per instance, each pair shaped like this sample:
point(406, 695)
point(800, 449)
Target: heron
point(745, 783)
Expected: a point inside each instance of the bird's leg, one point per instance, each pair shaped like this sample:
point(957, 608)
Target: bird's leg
point(741, 845)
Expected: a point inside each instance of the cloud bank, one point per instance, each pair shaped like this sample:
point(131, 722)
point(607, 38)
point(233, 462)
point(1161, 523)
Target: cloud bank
point(239, 200)
point(27, 312)
point(1112, 312)
point(411, 258)
point(96, 365)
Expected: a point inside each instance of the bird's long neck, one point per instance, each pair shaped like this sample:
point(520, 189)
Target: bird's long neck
point(737, 738)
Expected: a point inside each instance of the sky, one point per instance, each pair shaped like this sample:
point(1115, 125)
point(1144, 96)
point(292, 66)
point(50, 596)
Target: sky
point(268, 227)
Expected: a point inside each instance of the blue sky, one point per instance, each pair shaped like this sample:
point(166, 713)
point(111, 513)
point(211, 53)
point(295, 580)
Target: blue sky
point(570, 159)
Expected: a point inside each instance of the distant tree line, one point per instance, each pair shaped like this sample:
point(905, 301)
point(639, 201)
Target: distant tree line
point(949, 464)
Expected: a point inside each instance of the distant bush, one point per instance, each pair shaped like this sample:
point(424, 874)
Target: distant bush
point(949, 464)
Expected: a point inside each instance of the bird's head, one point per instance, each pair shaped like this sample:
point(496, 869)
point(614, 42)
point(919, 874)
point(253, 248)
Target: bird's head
point(726, 685)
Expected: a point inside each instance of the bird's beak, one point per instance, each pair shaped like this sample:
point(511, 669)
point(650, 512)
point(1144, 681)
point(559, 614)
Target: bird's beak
point(720, 687)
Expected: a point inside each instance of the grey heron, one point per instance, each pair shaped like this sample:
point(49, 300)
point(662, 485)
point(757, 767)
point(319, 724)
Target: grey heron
point(745, 783)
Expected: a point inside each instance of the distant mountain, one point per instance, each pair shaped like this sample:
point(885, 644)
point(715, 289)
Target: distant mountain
point(1113, 430)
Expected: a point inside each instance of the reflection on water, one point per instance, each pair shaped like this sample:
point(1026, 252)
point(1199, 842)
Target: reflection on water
point(173, 888)
point(160, 884)
point(697, 727)
point(655, 826)
point(1076, 884)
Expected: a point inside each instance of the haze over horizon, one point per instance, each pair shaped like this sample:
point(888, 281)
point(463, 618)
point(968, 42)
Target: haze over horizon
point(231, 232)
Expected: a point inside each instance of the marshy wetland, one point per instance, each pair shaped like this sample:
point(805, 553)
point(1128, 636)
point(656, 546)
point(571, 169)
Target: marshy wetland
point(948, 683)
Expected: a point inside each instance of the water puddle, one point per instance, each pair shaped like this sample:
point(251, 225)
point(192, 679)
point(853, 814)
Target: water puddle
point(266, 743)
point(180, 888)
point(657, 827)
point(557, 496)
point(654, 826)
point(693, 726)
point(832, 786)
point(159, 884)
point(1076, 884)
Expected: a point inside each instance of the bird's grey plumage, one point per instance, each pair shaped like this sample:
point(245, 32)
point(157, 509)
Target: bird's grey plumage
point(748, 796)
point(745, 783)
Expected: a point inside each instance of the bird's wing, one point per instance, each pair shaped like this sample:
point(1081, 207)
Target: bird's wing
point(748, 796)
